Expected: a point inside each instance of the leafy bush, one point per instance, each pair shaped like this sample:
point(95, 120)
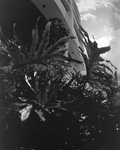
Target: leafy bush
point(45, 104)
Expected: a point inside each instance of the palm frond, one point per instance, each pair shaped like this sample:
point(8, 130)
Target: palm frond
point(45, 40)
point(95, 64)
point(60, 42)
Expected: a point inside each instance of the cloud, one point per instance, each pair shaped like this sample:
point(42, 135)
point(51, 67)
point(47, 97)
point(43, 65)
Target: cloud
point(117, 15)
point(104, 37)
point(87, 5)
point(115, 20)
point(114, 54)
point(87, 16)
point(104, 41)
point(89, 8)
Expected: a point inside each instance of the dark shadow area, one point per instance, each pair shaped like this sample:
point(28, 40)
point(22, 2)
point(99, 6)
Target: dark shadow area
point(21, 12)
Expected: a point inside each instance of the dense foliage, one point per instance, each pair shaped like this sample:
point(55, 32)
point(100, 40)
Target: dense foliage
point(45, 104)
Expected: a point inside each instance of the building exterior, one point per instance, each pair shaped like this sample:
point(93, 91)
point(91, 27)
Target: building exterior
point(68, 11)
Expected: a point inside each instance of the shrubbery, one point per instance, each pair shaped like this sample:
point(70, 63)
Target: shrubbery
point(45, 104)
